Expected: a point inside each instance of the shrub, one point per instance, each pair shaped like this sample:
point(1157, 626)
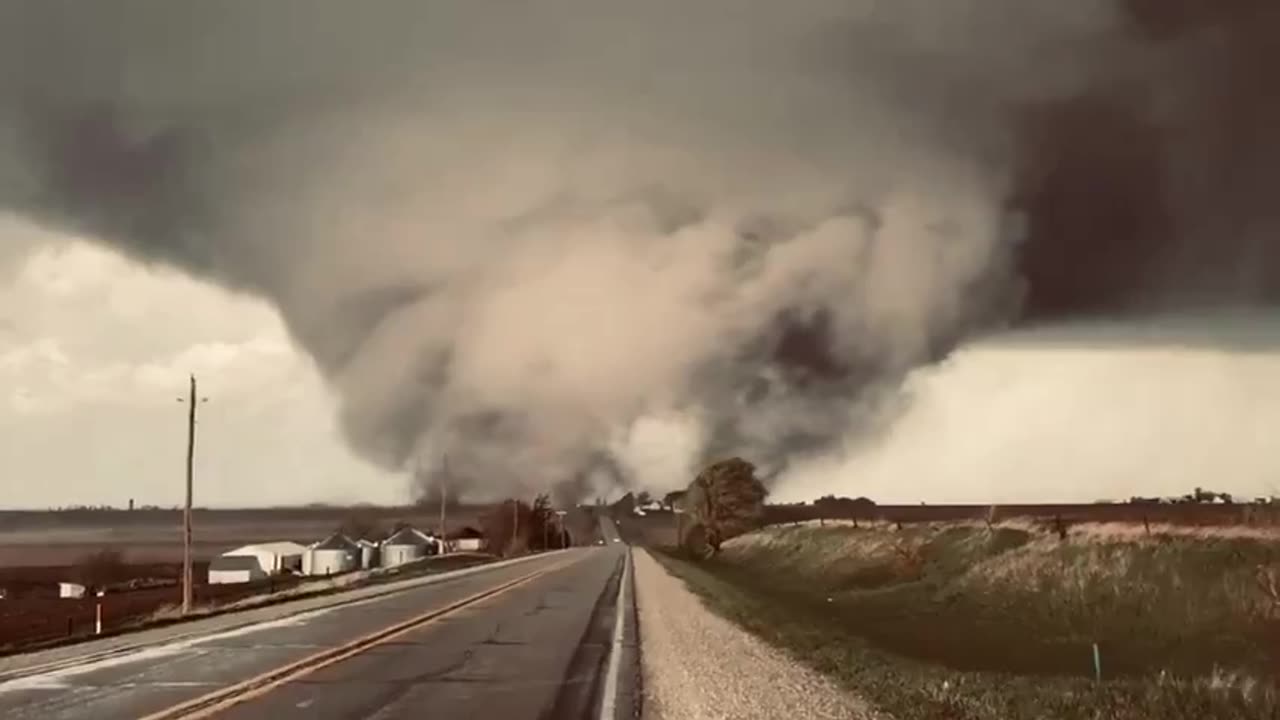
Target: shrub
point(100, 568)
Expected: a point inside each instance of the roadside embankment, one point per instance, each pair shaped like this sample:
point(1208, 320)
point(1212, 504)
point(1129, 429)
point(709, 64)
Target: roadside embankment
point(970, 621)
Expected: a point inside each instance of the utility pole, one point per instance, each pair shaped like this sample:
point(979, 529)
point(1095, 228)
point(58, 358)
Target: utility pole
point(444, 501)
point(515, 522)
point(187, 590)
point(560, 525)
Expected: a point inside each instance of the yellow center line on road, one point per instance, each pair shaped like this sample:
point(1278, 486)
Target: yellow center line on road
point(215, 702)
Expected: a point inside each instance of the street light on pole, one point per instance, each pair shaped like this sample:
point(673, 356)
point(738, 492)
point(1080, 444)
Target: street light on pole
point(187, 591)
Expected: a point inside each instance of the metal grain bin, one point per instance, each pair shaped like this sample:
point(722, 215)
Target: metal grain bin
point(334, 555)
point(404, 546)
point(369, 555)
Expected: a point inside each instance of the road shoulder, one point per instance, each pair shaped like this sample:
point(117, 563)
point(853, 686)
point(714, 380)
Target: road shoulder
point(697, 664)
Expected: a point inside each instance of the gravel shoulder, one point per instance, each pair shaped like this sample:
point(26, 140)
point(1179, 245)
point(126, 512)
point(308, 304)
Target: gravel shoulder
point(698, 665)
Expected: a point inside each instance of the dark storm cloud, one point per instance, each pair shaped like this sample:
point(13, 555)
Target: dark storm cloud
point(1155, 188)
point(508, 232)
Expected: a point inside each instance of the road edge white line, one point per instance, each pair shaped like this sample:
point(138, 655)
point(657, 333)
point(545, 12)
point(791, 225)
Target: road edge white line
point(609, 699)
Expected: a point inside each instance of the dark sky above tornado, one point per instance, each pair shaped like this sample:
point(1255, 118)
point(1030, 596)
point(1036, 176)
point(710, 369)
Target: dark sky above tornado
point(508, 231)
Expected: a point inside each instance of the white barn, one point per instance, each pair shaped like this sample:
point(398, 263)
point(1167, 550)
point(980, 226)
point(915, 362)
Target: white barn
point(226, 569)
point(266, 559)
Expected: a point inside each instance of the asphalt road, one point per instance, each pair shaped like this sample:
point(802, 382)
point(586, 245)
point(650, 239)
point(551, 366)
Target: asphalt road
point(537, 649)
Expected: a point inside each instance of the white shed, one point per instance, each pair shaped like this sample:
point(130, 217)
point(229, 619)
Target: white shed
point(70, 590)
point(272, 558)
point(235, 569)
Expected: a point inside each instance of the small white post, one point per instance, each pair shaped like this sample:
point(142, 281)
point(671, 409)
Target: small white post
point(97, 615)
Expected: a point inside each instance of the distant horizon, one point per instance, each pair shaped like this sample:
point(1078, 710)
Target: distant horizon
point(318, 506)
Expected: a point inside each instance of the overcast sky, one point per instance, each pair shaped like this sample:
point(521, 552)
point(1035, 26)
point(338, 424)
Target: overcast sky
point(94, 352)
point(576, 244)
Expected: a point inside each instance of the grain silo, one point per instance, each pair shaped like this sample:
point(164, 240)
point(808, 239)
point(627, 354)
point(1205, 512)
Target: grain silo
point(331, 556)
point(405, 546)
point(369, 555)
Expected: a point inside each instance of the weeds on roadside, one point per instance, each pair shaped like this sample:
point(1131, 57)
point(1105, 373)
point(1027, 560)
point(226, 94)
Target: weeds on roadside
point(961, 623)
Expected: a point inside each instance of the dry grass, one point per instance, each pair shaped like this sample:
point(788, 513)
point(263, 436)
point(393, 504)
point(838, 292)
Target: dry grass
point(1137, 533)
point(999, 621)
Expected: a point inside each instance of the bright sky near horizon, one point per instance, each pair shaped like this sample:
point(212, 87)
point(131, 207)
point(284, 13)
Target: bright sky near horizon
point(94, 352)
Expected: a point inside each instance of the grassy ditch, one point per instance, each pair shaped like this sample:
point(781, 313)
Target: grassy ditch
point(965, 621)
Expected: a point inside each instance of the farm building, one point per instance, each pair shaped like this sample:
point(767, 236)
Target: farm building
point(71, 590)
point(272, 558)
point(335, 554)
point(369, 554)
point(407, 545)
point(466, 539)
point(226, 569)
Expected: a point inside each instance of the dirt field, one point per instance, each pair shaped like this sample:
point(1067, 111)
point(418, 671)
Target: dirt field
point(40, 549)
point(30, 538)
point(35, 617)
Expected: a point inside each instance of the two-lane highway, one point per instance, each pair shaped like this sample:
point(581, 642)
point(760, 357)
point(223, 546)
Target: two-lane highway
point(528, 640)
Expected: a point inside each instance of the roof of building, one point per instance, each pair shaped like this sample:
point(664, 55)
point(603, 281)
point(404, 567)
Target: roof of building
point(234, 562)
point(273, 548)
point(336, 541)
point(407, 536)
point(465, 532)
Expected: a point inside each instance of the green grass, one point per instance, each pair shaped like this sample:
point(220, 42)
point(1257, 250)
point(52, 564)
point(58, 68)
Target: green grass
point(965, 622)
